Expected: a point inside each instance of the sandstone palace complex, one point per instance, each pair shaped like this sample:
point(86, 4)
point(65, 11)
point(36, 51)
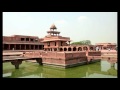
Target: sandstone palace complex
point(56, 50)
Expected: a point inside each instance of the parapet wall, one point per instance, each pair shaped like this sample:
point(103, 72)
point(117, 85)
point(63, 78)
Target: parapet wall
point(53, 55)
point(63, 55)
point(93, 53)
point(109, 53)
point(32, 54)
point(74, 55)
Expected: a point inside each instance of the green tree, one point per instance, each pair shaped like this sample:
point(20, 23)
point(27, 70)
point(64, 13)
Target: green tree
point(84, 42)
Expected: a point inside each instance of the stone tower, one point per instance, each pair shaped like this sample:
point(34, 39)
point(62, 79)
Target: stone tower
point(53, 40)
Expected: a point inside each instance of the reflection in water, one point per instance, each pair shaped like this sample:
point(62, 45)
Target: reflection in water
point(116, 66)
point(96, 75)
point(30, 76)
point(101, 69)
point(105, 66)
point(7, 74)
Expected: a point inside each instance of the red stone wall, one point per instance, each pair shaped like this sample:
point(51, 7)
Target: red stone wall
point(58, 43)
point(74, 55)
point(52, 44)
point(109, 53)
point(64, 44)
point(62, 58)
point(7, 38)
point(54, 55)
point(93, 53)
point(75, 61)
point(33, 54)
point(53, 61)
point(18, 38)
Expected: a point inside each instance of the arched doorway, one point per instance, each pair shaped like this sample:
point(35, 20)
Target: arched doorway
point(61, 49)
point(48, 49)
point(55, 49)
point(91, 48)
point(65, 49)
point(85, 48)
point(79, 49)
point(69, 49)
point(74, 49)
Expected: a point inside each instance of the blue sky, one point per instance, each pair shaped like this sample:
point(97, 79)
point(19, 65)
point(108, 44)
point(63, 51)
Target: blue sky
point(95, 26)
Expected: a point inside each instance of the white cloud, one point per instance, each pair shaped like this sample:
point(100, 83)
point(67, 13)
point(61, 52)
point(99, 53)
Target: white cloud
point(82, 18)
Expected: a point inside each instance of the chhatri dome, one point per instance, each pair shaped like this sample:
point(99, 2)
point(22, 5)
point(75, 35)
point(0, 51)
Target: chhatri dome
point(52, 32)
point(53, 27)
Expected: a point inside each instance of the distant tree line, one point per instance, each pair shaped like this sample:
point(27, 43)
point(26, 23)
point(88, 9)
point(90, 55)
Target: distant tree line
point(83, 42)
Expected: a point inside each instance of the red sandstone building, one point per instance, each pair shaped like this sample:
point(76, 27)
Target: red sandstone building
point(105, 46)
point(58, 51)
point(54, 42)
point(20, 42)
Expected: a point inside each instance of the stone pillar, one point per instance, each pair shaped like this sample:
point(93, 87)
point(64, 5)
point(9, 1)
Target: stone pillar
point(29, 47)
point(33, 47)
point(25, 46)
point(58, 49)
point(41, 47)
point(3, 46)
point(20, 46)
point(14, 46)
point(8, 46)
point(88, 48)
point(69, 43)
point(38, 47)
point(102, 47)
point(111, 47)
point(16, 63)
point(39, 60)
point(82, 49)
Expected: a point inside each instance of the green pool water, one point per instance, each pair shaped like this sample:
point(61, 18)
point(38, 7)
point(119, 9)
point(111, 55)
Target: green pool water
point(101, 69)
